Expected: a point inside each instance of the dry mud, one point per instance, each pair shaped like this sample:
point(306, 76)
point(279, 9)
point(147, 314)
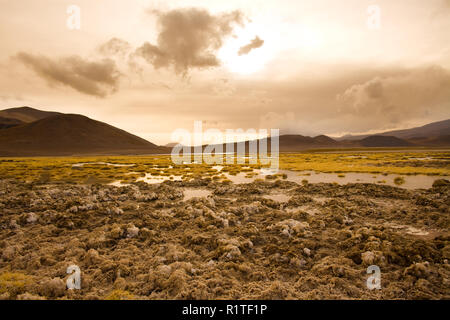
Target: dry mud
point(148, 242)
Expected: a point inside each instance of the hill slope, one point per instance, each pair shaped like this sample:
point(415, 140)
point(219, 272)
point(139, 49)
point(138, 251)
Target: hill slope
point(6, 123)
point(70, 134)
point(434, 129)
point(429, 131)
point(26, 114)
point(384, 141)
point(299, 142)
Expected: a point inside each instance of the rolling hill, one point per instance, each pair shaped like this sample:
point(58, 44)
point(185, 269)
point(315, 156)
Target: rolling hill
point(26, 114)
point(6, 123)
point(299, 142)
point(384, 141)
point(71, 134)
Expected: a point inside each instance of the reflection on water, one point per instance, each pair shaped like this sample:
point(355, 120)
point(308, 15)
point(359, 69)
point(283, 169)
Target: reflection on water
point(81, 164)
point(411, 181)
point(158, 179)
point(421, 159)
point(217, 168)
point(149, 178)
point(118, 184)
point(279, 197)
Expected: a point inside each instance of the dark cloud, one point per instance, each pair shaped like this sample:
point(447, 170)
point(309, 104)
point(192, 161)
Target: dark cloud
point(97, 78)
point(189, 38)
point(254, 44)
point(114, 47)
point(123, 54)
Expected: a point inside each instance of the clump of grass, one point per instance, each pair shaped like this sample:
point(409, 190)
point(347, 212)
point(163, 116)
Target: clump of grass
point(14, 283)
point(305, 182)
point(399, 181)
point(440, 183)
point(119, 295)
point(341, 175)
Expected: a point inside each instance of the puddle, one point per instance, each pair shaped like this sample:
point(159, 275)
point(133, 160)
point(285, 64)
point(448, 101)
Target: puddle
point(81, 164)
point(354, 157)
point(421, 159)
point(408, 229)
point(118, 184)
point(196, 193)
point(148, 179)
point(278, 197)
point(158, 179)
point(308, 209)
point(411, 181)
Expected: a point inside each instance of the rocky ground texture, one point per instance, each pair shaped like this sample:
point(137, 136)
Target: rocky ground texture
point(146, 242)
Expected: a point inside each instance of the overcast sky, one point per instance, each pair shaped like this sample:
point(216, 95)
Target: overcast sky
point(306, 67)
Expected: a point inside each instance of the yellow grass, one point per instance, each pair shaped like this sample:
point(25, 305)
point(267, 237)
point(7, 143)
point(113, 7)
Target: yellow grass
point(96, 169)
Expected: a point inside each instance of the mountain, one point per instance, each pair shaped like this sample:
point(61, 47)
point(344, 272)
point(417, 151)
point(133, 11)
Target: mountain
point(384, 141)
point(71, 134)
point(287, 143)
point(437, 141)
point(429, 131)
point(299, 142)
point(434, 129)
point(30, 132)
point(26, 114)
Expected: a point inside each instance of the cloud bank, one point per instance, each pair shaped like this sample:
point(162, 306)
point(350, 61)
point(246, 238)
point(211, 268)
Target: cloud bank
point(115, 46)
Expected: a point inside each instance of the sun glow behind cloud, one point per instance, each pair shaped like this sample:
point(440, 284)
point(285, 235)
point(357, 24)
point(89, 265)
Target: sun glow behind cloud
point(249, 63)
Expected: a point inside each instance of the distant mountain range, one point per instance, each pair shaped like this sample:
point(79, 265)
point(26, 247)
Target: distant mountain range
point(30, 132)
point(432, 130)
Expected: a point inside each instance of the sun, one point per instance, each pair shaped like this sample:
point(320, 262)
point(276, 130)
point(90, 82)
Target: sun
point(245, 64)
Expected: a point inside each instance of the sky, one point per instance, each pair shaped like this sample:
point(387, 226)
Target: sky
point(304, 67)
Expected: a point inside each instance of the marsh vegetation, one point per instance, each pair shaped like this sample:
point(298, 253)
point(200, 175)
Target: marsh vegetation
point(195, 234)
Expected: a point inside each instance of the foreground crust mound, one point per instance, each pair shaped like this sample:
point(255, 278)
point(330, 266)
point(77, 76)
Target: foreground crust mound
point(147, 242)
